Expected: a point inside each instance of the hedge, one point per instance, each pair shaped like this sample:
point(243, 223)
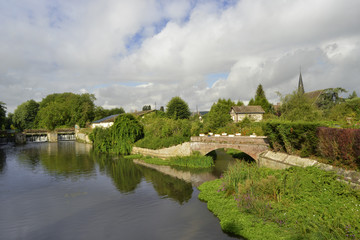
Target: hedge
point(339, 146)
point(292, 137)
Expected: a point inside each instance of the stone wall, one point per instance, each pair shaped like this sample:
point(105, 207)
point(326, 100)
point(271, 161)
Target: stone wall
point(278, 160)
point(52, 136)
point(178, 150)
point(82, 137)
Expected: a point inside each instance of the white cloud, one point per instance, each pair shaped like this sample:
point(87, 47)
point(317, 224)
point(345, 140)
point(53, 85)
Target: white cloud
point(132, 53)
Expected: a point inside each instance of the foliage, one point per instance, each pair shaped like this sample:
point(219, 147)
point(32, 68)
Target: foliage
point(177, 109)
point(25, 115)
point(260, 100)
point(2, 115)
point(162, 109)
point(353, 95)
point(296, 107)
point(66, 109)
point(292, 137)
point(159, 142)
point(234, 221)
point(146, 107)
point(219, 115)
point(296, 203)
point(120, 137)
point(163, 132)
point(125, 131)
point(100, 112)
point(354, 106)
point(340, 146)
point(192, 161)
point(329, 98)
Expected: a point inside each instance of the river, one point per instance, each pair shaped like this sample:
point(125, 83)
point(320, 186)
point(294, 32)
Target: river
point(65, 191)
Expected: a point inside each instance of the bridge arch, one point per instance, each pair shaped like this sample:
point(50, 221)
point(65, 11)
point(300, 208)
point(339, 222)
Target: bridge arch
point(249, 145)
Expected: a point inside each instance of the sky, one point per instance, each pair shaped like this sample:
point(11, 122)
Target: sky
point(144, 52)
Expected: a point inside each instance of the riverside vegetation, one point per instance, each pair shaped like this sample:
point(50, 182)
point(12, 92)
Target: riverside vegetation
point(296, 203)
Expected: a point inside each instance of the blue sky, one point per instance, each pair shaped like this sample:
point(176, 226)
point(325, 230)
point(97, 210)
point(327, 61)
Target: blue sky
point(135, 53)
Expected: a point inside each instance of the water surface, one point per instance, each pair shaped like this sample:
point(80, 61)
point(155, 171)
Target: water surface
point(65, 191)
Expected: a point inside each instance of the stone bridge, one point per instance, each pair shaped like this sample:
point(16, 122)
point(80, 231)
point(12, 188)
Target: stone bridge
point(252, 146)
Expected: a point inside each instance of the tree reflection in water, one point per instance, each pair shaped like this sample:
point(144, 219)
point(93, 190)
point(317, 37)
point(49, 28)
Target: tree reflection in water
point(2, 161)
point(167, 186)
point(126, 176)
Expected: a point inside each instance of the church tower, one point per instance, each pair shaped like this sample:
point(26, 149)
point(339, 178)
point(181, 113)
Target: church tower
point(301, 85)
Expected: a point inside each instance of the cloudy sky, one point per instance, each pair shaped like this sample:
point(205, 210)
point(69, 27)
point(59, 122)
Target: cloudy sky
point(132, 53)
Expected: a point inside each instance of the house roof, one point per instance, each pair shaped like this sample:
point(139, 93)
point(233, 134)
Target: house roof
point(141, 113)
point(314, 95)
point(248, 109)
point(107, 119)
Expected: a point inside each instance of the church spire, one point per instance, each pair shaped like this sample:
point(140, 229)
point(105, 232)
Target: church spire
point(301, 85)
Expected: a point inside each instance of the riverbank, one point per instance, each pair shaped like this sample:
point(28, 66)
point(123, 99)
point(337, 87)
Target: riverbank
point(295, 203)
point(193, 161)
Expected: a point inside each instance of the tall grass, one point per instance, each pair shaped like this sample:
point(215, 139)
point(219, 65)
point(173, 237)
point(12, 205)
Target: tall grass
point(307, 202)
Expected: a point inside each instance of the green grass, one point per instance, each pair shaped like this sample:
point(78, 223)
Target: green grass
point(193, 161)
point(296, 203)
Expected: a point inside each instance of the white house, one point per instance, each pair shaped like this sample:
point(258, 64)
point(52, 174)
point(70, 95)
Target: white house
point(104, 122)
point(238, 113)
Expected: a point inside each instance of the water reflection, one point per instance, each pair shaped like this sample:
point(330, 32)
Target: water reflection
point(169, 187)
point(125, 175)
point(34, 206)
point(2, 160)
point(65, 159)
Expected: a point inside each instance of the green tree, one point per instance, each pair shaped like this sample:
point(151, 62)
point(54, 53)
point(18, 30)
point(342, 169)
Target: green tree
point(120, 137)
point(53, 115)
point(146, 108)
point(177, 109)
point(353, 95)
point(260, 100)
point(329, 98)
point(100, 112)
point(162, 109)
point(25, 115)
point(219, 114)
point(297, 106)
point(66, 109)
point(2, 115)
point(9, 121)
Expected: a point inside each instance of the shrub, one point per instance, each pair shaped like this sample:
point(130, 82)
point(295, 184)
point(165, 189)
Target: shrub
point(161, 132)
point(293, 137)
point(340, 146)
point(120, 137)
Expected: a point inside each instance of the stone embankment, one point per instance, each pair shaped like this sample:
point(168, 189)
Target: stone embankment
point(178, 150)
point(278, 160)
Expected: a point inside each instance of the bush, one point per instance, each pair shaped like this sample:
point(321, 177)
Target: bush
point(340, 146)
point(120, 137)
point(293, 137)
point(161, 132)
point(159, 142)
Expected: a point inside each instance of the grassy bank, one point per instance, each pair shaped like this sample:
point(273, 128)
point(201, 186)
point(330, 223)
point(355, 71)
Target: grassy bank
point(193, 161)
point(297, 203)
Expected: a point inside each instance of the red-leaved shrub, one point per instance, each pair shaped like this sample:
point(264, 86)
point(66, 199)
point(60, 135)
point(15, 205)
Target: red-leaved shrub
point(341, 146)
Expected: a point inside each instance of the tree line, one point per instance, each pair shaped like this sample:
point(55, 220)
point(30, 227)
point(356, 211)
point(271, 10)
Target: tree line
point(68, 109)
point(55, 110)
